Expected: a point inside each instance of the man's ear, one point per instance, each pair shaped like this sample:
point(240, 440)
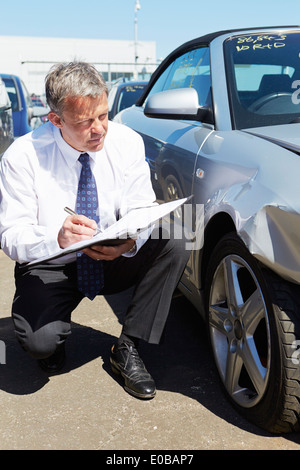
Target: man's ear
point(55, 119)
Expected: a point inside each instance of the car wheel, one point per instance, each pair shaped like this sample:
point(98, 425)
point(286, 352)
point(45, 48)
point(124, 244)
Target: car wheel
point(253, 323)
point(172, 189)
point(171, 192)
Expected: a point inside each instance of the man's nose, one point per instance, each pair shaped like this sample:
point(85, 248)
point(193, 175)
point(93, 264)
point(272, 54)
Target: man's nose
point(97, 126)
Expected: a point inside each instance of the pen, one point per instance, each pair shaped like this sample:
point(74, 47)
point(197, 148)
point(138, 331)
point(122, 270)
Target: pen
point(71, 212)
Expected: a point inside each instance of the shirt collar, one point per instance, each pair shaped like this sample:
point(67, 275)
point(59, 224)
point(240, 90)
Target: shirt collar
point(70, 154)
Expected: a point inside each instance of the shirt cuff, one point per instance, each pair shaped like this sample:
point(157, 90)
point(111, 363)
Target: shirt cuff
point(133, 251)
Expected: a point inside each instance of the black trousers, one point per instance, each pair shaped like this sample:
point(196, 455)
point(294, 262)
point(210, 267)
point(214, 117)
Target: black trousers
point(46, 294)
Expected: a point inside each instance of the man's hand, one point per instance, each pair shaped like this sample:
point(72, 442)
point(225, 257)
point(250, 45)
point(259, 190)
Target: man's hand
point(75, 229)
point(108, 253)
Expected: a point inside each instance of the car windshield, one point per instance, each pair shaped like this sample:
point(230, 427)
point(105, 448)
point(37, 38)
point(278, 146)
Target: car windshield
point(129, 95)
point(12, 93)
point(263, 76)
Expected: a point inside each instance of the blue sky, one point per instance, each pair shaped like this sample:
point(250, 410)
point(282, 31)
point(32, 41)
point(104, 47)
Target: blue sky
point(167, 22)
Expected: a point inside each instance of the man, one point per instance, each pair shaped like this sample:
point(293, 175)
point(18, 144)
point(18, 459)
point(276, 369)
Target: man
point(97, 168)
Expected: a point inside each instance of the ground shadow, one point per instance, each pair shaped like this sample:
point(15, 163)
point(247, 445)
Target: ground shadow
point(183, 363)
point(21, 375)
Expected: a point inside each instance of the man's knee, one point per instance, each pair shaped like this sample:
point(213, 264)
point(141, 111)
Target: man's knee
point(43, 342)
point(178, 247)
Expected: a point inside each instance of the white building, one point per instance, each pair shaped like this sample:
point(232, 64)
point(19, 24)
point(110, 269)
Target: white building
point(31, 57)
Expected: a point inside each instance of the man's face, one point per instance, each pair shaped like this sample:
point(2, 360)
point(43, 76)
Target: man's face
point(84, 122)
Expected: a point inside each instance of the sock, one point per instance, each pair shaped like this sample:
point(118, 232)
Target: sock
point(128, 339)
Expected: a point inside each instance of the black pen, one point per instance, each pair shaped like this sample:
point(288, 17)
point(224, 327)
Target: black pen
point(71, 212)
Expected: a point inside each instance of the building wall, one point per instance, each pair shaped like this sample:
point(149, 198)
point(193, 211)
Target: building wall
point(32, 57)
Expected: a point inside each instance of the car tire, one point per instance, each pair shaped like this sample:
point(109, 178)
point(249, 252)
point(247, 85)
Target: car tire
point(253, 324)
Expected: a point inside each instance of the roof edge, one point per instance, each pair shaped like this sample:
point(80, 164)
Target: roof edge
point(202, 40)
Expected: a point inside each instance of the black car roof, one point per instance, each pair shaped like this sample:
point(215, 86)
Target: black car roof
point(208, 38)
point(203, 41)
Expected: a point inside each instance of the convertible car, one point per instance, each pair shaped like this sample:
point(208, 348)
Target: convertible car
point(220, 120)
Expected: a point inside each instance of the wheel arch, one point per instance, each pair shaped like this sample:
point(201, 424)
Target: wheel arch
point(167, 170)
point(217, 227)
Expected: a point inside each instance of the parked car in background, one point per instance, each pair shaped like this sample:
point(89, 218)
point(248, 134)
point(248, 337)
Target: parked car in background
point(38, 101)
point(6, 121)
point(124, 94)
point(220, 120)
point(26, 116)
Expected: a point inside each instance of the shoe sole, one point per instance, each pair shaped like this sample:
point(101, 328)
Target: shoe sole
point(129, 390)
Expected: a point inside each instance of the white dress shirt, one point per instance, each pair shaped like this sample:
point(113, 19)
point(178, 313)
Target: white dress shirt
point(39, 176)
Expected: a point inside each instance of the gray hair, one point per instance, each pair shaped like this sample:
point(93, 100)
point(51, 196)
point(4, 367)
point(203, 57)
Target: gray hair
point(71, 80)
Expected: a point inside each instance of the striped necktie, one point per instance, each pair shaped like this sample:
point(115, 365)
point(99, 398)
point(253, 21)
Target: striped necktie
point(89, 272)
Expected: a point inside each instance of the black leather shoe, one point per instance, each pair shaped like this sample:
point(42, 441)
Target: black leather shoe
point(126, 361)
point(53, 364)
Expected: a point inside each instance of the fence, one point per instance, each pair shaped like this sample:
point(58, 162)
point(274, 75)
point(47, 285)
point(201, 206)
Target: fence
point(34, 72)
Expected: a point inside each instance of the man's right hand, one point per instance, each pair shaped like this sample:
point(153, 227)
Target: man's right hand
point(75, 229)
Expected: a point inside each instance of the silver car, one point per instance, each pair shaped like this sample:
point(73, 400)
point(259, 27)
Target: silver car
point(221, 121)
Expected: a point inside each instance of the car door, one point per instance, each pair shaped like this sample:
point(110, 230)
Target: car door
point(183, 139)
point(172, 145)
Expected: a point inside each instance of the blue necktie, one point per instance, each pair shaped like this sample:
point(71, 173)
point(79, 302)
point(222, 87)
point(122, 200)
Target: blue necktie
point(89, 272)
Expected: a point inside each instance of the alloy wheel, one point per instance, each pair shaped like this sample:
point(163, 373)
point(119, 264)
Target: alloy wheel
point(239, 330)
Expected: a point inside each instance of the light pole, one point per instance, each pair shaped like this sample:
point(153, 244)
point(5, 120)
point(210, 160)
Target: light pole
point(136, 9)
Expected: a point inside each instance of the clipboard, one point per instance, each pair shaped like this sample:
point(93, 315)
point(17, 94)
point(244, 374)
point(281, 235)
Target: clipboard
point(132, 225)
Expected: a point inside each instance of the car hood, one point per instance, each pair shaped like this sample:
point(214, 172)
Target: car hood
point(287, 136)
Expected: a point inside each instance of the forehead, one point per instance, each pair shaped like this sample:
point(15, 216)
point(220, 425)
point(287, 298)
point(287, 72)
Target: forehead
point(84, 106)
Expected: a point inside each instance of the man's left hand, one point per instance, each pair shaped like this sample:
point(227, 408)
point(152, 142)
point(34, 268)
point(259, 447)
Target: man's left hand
point(108, 253)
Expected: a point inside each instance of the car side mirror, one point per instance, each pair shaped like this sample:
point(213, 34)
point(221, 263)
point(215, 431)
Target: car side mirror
point(181, 103)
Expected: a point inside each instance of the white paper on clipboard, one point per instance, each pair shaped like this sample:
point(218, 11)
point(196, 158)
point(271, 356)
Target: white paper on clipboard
point(134, 222)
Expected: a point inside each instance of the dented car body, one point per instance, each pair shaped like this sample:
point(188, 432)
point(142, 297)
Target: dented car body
point(262, 199)
point(220, 120)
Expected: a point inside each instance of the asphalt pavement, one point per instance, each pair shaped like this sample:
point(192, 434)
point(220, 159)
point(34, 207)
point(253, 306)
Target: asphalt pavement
point(86, 408)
